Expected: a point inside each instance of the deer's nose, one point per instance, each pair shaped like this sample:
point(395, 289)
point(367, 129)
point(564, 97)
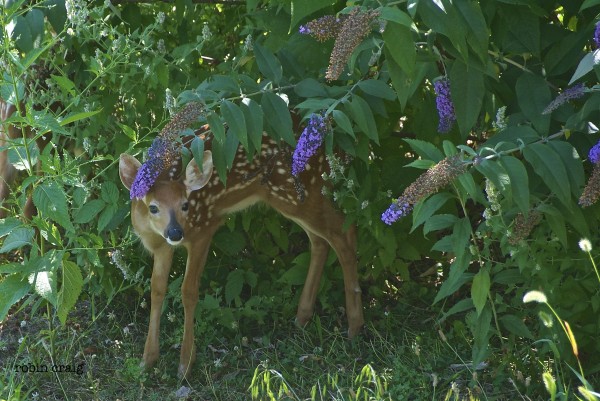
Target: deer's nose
point(175, 234)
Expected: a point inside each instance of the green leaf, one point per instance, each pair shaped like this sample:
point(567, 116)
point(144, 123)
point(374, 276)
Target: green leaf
point(533, 96)
point(106, 216)
point(588, 4)
point(21, 34)
point(219, 160)
point(556, 221)
point(425, 150)
point(406, 84)
point(467, 90)
point(455, 280)
point(342, 121)
point(216, 126)
point(234, 117)
point(514, 135)
point(72, 283)
point(268, 64)
point(570, 158)
point(8, 225)
point(394, 14)
point(197, 148)
point(310, 87)
point(424, 210)
point(110, 192)
point(586, 65)
point(422, 164)
point(65, 84)
point(439, 222)
point(19, 157)
point(377, 88)
point(303, 8)
point(519, 181)
point(480, 289)
point(56, 12)
point(478, 34)
point(278, 118)
point(401, 45)
point(549, 166)
point(12, 289)
point(234, 285)
point(516, 326)
point(495, 172)
point(51, 201)
point(230, 149)
point(18, 238)
point(315, 104)
point(448, 23)
point(254, 121)
point(71, 118)
point(88, 211)
point(363, 116)
point(296, 275)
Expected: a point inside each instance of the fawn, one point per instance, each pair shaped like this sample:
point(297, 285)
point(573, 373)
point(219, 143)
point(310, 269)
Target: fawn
point(9, 132)
point(188, 211)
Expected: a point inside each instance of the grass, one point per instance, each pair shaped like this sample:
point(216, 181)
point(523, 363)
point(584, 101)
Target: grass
point(399, 356)
point(97, 358)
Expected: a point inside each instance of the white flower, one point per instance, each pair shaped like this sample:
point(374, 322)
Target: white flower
point(585, 245)
point(535, 296)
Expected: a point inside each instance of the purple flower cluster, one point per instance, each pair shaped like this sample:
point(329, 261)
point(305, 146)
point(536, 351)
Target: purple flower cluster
point(594, 154)
point(396, 210)
point(159, 156)
point(574, 92)
point(309, 142)
point(444, 105)
point(597, 35)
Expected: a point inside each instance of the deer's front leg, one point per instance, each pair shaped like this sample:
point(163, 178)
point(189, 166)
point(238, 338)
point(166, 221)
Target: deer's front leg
point(163, 257)
point(197, 253)
point(319, 248)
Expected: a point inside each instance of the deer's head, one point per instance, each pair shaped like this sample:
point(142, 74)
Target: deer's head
point(164, 209)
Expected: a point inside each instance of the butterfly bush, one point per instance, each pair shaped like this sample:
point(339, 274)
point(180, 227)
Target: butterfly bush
point(444, 105)
point(309, 142)
point(348, 30)
point(164, 150)
point(324, 28)
point(597, 35)
point(574, 92)
point(426, 184)
point(591, 192)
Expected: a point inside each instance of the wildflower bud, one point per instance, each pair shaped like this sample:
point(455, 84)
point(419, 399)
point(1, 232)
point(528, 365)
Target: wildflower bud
point(574, 92)
point(444, 105)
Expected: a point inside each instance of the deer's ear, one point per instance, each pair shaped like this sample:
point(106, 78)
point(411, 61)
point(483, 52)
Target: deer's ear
point(196, 179)
point(128, 168)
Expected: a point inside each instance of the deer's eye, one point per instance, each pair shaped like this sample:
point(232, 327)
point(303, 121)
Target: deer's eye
point(185, 207)
point(153, 209)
